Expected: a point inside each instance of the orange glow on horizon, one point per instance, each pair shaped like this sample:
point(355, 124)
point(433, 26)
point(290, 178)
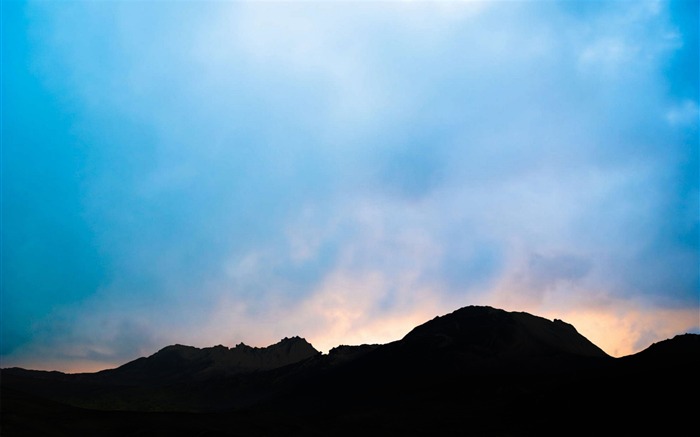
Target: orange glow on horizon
point(620, 333)
point(344, 313)
point(64, 366)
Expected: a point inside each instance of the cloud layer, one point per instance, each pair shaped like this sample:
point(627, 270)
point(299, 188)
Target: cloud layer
point(203, 174)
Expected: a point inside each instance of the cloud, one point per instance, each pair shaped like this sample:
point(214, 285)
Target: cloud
point(684, 114)
point(251, 171)
point(549, 271)
point(625, 328)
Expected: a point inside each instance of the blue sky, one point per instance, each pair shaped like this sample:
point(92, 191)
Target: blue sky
point(216, 172)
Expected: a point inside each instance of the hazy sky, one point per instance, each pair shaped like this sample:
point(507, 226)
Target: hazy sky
point(222, 172)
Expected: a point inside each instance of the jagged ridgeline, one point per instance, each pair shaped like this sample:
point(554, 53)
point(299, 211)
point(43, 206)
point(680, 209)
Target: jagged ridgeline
point(478, 370)
point(178, 362)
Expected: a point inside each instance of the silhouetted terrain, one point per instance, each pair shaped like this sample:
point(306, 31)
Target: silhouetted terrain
point(476, 371)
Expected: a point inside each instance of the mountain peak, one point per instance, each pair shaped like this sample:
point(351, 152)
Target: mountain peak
point(682, 344)
point(477, 363)
point(489, 332)
point(293, 338)
point(181, 362)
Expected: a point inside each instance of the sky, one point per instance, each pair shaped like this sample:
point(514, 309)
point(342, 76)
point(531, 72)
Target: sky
point(212, 173)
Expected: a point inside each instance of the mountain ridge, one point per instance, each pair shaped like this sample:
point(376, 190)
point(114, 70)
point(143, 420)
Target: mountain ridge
point(496, 370)
point(490, 330)
point(305, 349)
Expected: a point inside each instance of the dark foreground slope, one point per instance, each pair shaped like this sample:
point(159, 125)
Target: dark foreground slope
point(476, 371)
point(176, 378)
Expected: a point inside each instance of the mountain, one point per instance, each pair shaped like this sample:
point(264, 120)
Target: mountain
point(177, 377)
point(187, 363)
point(475, 371)
point(490, 332)
point(684, 348)
point(485, 339)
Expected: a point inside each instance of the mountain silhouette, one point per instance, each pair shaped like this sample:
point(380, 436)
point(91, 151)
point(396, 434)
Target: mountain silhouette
point(475, 371)
point(181, 363)
point(490, 332)
point(485, 339)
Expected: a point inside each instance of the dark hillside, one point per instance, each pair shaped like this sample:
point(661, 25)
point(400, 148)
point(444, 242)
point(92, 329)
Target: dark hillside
point(475, 371)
